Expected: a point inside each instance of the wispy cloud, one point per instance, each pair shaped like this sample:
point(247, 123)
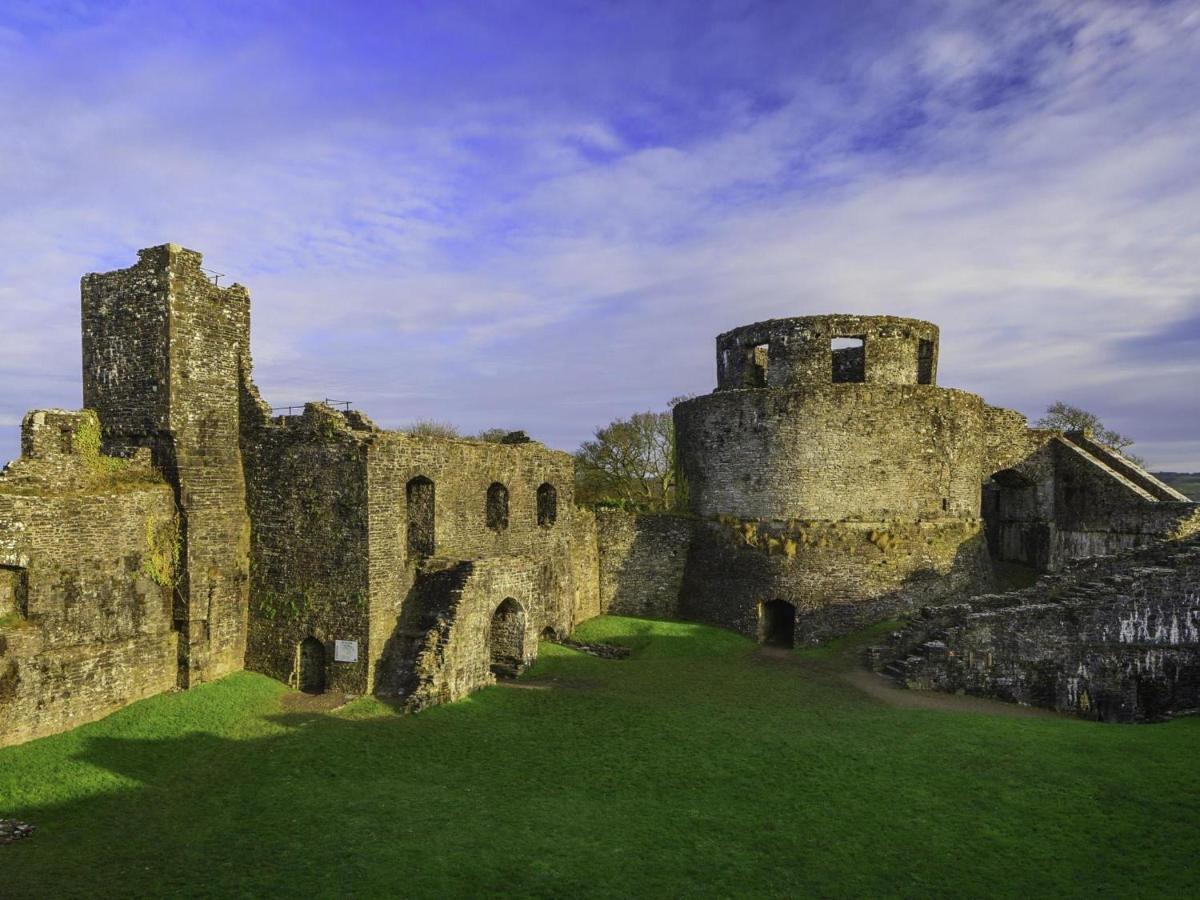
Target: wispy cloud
point(539, 215)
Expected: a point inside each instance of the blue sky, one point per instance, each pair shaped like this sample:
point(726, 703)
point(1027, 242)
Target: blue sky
point(539, 215)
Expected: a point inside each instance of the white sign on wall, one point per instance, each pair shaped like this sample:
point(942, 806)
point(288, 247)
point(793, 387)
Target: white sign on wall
point(345, 651)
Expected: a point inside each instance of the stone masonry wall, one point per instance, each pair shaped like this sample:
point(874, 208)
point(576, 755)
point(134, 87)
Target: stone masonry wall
point(1060, 503)
point(798, 351)
point(87, 548)
point(834, 452)
point(838, 576)
point(480, 614)
point(306, 483)
point(1116, 638)
point(163, 354)
point(641, 562)
point(462, 472)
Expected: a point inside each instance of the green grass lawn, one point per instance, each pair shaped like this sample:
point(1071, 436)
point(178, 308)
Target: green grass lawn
point(698, 766)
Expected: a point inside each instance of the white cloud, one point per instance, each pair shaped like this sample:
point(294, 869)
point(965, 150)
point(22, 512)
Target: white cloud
point(1025, 178)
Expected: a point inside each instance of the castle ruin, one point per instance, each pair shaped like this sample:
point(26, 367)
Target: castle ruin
point(175, 530)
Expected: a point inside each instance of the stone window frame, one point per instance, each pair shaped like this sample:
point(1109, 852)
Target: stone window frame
point(758, 364)
point(861, 340)
point(496, 507)
point(426, 547)
point(547, 505)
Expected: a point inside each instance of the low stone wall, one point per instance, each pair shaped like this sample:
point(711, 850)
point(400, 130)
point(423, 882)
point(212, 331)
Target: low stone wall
point(1115, 638)
point(641, 562)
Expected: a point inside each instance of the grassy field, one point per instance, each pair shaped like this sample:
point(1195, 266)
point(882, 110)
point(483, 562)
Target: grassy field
point(699, 766)
point(1185, 482)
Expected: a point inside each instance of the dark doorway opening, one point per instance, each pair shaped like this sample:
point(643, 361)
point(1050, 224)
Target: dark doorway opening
point(506, 639)
point(312, 666)
point(419, 497)
point(777, 625)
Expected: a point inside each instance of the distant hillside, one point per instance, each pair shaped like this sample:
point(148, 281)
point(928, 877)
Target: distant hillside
point(1187, 482)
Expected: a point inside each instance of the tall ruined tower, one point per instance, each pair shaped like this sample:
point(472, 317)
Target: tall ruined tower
point(163, 353)
point(835, 482)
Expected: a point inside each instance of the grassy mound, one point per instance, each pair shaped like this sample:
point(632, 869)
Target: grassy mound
point(697, 766)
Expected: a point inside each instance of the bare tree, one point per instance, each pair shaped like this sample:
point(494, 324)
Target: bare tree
point(631, 461)
point(1065, 417)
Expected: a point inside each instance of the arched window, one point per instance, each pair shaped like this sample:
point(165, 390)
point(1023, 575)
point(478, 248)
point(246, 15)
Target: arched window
point(311, 664)
point(506, 638)
point(497, 506)
point(547, 505)
point(419, 497)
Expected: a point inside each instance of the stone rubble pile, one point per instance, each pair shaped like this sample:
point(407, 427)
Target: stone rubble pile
point(12, 831)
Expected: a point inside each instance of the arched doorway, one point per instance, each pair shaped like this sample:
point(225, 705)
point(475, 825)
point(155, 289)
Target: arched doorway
point(777, 623)
point(506, 638)
point(312, 666)
point(419, 497)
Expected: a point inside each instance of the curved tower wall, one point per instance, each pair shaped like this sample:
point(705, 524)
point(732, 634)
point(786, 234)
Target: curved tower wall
point(830, 472)
point(783, 353)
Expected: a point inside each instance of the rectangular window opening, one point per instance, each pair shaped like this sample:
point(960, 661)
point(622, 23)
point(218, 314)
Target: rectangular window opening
point(924, 361)
point(849, 359)
point(756, 368)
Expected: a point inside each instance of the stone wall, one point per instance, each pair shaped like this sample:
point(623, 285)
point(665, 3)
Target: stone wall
point(306, 479)
point(833, 452)
point(163, 354)
point(641, 562)
point(1063, 502)
point(1115, 638)
point(782, 353)
point(837, 576)
point(87, 547)
point(480, 618)
point(554, 552)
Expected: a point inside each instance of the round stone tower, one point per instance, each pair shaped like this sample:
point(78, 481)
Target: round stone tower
point(835, 482)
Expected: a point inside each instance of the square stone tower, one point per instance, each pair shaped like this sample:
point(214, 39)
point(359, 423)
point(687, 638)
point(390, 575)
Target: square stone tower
point(164, 351)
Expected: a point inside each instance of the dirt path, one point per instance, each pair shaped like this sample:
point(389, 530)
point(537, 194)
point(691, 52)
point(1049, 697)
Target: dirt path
point(879, 687)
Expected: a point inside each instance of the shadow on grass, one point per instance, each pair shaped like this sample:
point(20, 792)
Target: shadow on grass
point(688, 769)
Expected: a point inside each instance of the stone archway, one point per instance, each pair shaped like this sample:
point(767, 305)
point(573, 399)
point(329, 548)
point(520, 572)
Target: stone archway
point(777, 624)
point(506, 638)
point(311, 666)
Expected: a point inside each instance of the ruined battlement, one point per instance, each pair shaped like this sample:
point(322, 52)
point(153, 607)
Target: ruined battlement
point(177, 530)
point(834, 349)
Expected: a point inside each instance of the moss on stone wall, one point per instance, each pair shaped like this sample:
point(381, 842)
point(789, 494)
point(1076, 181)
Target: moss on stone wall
point(787, 538)
point(160, 562)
